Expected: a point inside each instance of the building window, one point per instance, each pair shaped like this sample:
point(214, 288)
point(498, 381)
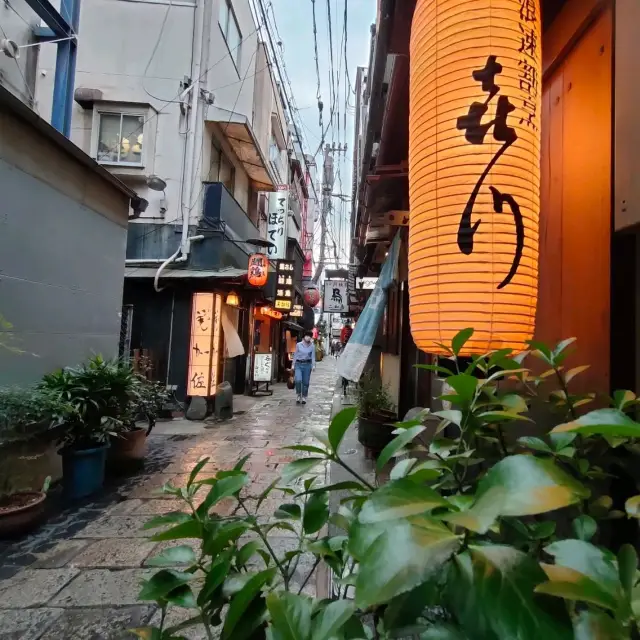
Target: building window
point(222, 169)
point(120, 138)
point(274, 150)
point(230, 31)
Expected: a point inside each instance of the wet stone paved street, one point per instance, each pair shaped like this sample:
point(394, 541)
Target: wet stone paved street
point(78, 576)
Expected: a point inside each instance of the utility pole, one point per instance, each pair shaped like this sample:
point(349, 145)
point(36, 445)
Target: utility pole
point(327, 193)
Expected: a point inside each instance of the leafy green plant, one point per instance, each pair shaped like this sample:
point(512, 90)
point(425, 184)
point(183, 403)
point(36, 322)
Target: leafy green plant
point(478, 535)
point(99, 395)
point(25, 413)
point(149, 398)
point(372, 396)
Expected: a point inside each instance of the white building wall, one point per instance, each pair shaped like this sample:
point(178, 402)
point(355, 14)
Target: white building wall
point(116, 41)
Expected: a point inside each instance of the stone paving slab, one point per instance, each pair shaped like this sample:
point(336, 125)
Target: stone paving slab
point(27, 624)
point(129, 526)
point(78, 577)
point(98, 623)
point(60, 555)
point(114, 553)
point(34, 587)
point(100, 587)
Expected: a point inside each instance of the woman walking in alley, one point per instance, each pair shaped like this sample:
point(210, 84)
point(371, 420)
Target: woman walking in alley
point(304, 362)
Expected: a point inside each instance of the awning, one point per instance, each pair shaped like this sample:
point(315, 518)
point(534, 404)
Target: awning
point(292, 325)
point(150, 272)
point(237, 129)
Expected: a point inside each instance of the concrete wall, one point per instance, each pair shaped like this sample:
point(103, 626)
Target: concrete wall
point(62, 295)
point(18, 75)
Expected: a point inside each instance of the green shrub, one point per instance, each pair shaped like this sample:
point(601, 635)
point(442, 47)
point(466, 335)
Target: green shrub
point(466, 541)
point(25, 413)
point(372, 396)
point(99, 395)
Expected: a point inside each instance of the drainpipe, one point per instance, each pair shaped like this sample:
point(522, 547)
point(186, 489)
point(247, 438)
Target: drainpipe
point(174, 258)
point(194, 113)
point(200, 19)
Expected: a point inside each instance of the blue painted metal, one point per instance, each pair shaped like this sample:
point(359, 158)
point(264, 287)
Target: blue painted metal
point(62, 108)
point(63, 25)
point(59, 24)
point(43, 34)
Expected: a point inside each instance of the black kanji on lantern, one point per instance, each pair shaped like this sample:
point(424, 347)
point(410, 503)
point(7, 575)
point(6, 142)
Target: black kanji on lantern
point(528, 11)
point(475, 133)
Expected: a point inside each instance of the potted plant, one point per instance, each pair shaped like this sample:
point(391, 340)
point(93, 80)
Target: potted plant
point(99, 397)
point(375, 413)
point(147, 401)
point(25, 415)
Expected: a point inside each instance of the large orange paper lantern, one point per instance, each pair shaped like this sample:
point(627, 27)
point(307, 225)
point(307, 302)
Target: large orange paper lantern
point(474, 174)
point(258, 270)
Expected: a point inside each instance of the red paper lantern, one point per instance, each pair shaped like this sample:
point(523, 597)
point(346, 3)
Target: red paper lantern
point(312, 296)
point(258, 270)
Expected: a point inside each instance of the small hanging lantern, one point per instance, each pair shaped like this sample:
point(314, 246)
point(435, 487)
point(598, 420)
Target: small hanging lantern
point(312, 296)
point(233, 299)
point(258, 270)
point(474, 172)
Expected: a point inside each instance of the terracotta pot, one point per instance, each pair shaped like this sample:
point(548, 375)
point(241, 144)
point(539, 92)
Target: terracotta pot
point(130, 445)
point(24, 516)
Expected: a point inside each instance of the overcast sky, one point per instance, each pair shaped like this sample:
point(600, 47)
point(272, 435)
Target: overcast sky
point(295, 27)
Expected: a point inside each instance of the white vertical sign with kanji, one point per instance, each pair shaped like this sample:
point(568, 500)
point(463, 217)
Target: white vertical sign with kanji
point(335, 296)
point(277, 223)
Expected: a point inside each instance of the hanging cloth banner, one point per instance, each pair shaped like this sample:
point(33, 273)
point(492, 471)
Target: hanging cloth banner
point(231, 337)
point(354, 357)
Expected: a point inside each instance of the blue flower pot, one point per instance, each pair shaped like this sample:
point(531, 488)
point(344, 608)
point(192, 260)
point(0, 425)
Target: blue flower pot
point(83, 471)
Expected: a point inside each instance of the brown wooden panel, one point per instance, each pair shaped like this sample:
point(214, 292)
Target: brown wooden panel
point(576, 195)
point(549, 317)
point(574, 19)
point(627, 118)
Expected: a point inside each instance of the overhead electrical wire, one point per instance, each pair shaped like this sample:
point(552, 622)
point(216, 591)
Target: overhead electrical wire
point(291, 99)
point(155, 50)
point(283, 77)
point(174, 221)
point(12, 8)
point(166, 103)
point(315, 46)
point(233, 110)
point(332, 79)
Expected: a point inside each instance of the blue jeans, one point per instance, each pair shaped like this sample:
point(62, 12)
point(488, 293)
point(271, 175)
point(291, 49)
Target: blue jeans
point(302, 378)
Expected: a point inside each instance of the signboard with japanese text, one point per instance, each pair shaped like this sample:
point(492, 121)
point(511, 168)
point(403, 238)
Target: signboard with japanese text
point(351, 287)
point(258, 270)
point(262, 367)
point(277, 222)
point(204, 345)
point(297, 311)
point(284, 285)
point(335, 298)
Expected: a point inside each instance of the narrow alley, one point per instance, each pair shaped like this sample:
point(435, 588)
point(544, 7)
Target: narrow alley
point(78, 577)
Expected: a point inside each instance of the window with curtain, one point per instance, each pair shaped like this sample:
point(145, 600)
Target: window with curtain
point(230, 31)
point(120, 138)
